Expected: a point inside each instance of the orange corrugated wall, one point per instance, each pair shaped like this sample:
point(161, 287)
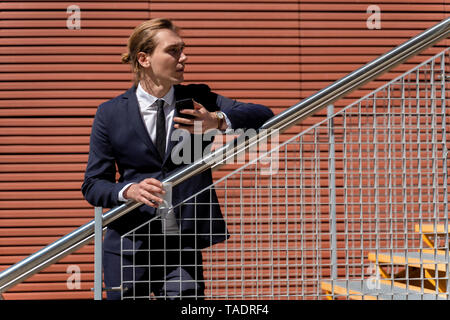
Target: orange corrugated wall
point(53, 78)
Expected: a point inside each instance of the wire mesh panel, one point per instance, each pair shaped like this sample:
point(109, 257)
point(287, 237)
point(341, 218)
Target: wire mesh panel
point(391, 173)
point(355, 207)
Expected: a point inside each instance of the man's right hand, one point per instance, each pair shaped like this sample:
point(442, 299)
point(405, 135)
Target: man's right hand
point(148, 191)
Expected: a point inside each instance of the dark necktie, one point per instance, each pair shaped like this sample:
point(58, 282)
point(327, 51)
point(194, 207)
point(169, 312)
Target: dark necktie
point(160, 129)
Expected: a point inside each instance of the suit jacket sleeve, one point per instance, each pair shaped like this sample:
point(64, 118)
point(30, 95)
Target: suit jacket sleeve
point(241, 115)
point(244, 115)
point(100, 187)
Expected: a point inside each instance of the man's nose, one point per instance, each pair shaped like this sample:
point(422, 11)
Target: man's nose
point(183, 57)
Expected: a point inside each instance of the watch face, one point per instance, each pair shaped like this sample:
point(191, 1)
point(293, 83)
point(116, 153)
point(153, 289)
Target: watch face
point(220, 115)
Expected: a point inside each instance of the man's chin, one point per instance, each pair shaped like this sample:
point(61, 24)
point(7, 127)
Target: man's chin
point(178, 80)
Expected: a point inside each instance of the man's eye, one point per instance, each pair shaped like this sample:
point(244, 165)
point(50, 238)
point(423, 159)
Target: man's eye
point(176, 51)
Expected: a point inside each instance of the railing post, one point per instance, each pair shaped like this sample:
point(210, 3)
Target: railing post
point(445, 156)
point(332, 188)
point(98, 238)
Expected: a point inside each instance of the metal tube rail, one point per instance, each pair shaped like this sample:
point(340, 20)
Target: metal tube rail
point(81, 236)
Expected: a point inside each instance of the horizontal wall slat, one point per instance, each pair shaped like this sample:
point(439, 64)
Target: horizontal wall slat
point(343, 15)
point(47, 213)
point(94, 70)
point(330, 51)
point(11, 186)
point(238, 42)
point(45, 204)
point(45, 158)
point(18, 63)
point(335, 24)
point(223, 6)
point(14, 223)
point(192, 34)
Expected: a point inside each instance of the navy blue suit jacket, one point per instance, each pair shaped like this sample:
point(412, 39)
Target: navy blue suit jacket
point(120, 143)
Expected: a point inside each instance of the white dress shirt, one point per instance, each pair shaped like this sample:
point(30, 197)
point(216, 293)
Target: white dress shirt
point(148, 109)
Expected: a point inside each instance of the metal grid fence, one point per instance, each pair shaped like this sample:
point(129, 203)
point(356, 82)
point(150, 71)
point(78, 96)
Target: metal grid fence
point(355, 207)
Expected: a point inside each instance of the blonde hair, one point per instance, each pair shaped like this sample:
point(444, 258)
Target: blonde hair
point(143, 40)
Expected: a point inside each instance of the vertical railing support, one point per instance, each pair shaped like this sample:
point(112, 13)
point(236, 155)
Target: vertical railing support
point(445, 156)
point(98, 238)
point(332, 188)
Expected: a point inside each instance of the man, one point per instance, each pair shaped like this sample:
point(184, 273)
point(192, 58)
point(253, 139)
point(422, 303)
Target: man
point(132, 133)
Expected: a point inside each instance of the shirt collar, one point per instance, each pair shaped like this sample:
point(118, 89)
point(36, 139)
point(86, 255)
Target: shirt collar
point(146, 100)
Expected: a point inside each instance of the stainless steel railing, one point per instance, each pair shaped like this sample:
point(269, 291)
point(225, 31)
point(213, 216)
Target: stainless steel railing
point(81, 236)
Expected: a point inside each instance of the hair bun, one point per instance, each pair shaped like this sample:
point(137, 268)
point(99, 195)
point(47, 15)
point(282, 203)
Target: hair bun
point(125, 58)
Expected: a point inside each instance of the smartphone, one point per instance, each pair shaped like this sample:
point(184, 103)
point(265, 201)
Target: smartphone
point(184, 104)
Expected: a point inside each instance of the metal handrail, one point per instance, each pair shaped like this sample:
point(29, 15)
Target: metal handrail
point(81, 236)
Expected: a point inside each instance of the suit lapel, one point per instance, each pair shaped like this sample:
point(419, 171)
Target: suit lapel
point(135, 119)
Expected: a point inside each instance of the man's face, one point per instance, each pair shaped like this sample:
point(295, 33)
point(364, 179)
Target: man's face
point(168, 60)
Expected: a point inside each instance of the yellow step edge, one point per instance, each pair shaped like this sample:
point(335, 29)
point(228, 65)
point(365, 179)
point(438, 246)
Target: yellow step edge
point(435, 251)
point(338, 290)
point(429, 228)
point(411, 262)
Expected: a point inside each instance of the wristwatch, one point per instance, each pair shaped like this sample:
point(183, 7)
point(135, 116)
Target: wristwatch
point(220, 119)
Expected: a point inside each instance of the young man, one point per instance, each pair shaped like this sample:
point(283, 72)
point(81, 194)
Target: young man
point(132, 133)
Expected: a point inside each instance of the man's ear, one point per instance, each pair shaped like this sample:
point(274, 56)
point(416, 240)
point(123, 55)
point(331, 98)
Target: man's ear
point(144, 59)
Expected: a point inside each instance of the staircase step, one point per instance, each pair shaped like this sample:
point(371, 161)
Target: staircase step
point(431, 228)
point(379, 290)
point(424, 259)
point(430, 232)
point(437, 252)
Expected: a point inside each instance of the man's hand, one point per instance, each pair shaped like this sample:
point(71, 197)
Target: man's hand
point(208, 120)
point(148, 191)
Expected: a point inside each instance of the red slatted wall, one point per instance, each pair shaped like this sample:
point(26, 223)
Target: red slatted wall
point(53, 78)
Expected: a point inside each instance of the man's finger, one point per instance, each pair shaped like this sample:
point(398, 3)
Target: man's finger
point(149, 203)
point(153, 189)
point(154, 182)
point(192, 112)
point(156, 187)
point(183, 121)
point(151, 197)
point(199, 107)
